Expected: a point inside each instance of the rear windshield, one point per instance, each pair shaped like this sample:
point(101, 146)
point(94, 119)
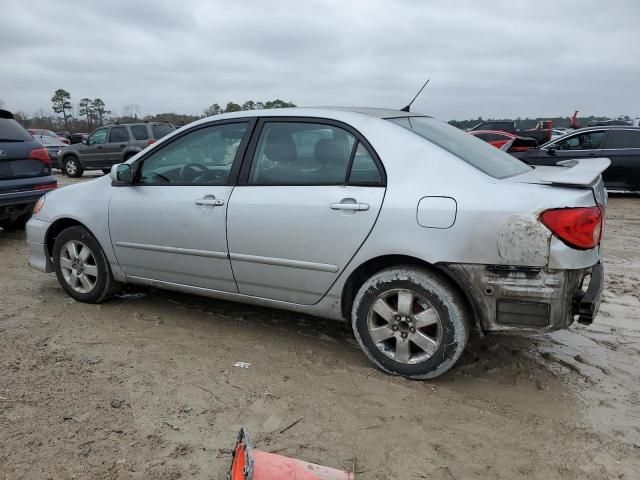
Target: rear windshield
point(12, 131)
point(160, 130)
point(475, 152)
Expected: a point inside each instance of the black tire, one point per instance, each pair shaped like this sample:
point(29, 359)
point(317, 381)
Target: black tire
point(430, 289)
point(105, 286)
point(72, 167)
point(16, 224)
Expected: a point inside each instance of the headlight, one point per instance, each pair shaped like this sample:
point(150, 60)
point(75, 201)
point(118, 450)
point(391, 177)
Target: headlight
point(39, 204)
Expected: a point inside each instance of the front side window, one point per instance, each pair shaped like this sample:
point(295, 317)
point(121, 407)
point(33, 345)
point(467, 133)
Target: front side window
point(118, 134)
point(624, 139)
point(139, 132)
point(475, 152)
point(98, 137)
point(581, 141)
point(201, 157)
point(298, 153)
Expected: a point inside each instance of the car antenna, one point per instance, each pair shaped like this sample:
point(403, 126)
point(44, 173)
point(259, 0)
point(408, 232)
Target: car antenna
point(406, 109)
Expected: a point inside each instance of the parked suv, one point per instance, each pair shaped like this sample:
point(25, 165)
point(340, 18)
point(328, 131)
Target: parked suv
point(106, 146)
point(25, 173)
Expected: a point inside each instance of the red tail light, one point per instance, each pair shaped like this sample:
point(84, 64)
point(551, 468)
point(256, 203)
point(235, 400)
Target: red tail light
point(46, 186)
point(577, 227)
point(151, 141)
point(41, 155)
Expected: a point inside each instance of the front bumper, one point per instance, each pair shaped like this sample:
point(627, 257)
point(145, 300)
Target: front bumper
point(39, 257)
point(529, 299)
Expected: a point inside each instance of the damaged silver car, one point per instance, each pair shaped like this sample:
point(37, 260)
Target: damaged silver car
point(408, 228)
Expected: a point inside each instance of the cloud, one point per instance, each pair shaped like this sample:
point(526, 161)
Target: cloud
point(495, 59)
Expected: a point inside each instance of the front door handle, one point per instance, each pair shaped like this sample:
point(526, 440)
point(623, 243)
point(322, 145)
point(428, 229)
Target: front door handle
point(210, 200)
point(357, 207)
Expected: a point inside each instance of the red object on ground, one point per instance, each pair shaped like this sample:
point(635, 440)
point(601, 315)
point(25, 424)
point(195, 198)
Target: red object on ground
point(251, 464)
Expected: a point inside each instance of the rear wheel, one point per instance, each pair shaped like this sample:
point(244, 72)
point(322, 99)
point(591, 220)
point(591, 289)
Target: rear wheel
point(410, 322)
point(81, 266)
point(72, 167)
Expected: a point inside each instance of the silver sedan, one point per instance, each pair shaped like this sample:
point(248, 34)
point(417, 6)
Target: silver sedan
point(408, 228)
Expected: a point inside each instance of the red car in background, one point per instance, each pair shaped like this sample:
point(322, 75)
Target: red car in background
point(505, 140)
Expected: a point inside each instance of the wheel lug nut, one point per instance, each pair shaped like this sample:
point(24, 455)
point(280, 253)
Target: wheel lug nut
point(404, 334)
point(395, 328)
point(412, 330)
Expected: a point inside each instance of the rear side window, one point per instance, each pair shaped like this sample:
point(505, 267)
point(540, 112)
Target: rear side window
point(364, 170)
point(291, 153)
point(118, 134)
point(139, 132)
point(160, 130)
point(624, 139)
point(12, 131)
point(475, 152)
point(581, 141)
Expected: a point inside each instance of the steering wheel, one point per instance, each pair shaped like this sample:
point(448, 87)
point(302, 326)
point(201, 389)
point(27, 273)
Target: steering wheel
point(190, 171)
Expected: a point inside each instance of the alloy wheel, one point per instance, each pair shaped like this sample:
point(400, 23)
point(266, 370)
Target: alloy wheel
point(78, 266)
point(404, 326)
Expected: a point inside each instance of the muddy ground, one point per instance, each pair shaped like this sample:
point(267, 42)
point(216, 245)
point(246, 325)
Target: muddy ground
point(145, 386)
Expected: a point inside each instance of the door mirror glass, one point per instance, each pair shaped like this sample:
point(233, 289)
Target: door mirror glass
point(121, 173)
point(85, 141)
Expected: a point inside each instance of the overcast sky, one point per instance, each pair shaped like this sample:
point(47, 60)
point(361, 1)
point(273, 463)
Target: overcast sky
point(495, 59)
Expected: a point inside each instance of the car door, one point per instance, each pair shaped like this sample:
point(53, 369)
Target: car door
point(582, 144)
point(93, 153)
point(170, 224)
point(117, 141)
point(622, 147)
point(309, 194)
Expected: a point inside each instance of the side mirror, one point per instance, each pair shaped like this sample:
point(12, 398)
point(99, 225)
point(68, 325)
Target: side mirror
point(85, 141)
point(551, 150)
point(121, 173)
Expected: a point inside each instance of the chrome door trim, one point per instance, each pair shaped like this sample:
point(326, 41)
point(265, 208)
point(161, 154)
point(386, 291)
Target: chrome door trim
point(182, 251)
point(284, 262)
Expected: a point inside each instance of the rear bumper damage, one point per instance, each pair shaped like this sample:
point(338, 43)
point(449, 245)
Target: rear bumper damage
point(516, 299)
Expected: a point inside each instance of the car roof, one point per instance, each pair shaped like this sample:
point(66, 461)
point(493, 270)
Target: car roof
point(374, 112)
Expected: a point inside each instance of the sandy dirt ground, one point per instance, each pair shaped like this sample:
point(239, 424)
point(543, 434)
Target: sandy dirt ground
point(144, 386)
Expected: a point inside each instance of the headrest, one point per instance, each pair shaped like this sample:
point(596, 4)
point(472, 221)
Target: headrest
point(329, 152)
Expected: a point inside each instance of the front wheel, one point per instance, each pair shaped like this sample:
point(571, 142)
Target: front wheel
point(410, 322)
point(72, 167)
point(81, 266)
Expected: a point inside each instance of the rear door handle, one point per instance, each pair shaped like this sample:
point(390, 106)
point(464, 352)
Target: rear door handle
point(210, 200)
point(350, 206)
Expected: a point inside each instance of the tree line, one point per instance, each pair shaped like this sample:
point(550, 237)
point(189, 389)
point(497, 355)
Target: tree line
point(92, 113)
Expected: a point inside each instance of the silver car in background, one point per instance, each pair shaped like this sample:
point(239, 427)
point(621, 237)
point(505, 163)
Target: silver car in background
point(413, 231)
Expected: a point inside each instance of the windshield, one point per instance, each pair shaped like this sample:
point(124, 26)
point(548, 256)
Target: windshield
point(12, 131)
point(475, 152)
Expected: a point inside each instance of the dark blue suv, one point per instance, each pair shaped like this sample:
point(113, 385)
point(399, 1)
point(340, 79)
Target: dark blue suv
point(25, 173)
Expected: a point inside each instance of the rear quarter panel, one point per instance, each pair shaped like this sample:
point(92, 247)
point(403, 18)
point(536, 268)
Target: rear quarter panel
point(496, 220)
